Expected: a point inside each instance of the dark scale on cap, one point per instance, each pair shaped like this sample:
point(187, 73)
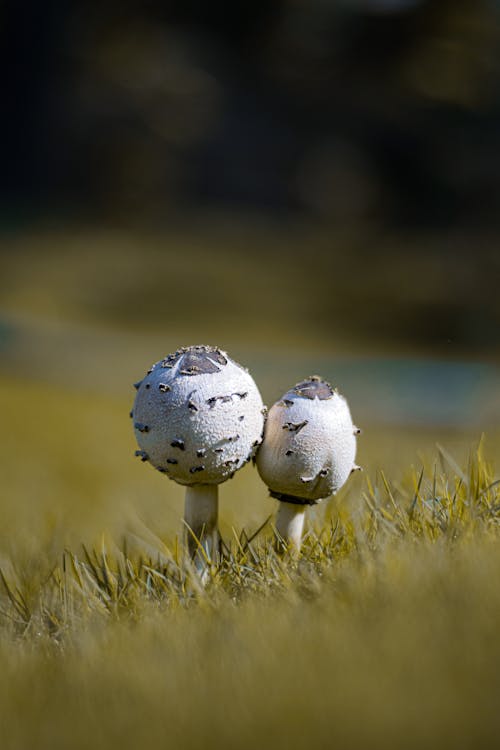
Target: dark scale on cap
point(137, 385)
point(212, 401)
point(289, 452)
point(195, 469)
point(142, 455)
point(164, 388)
point(241, 418)
point(196, 360)
point(201, 452)
point(314, 387)
point(141, 427)
point(295, 427)
point(172, 461)
point(178, 443)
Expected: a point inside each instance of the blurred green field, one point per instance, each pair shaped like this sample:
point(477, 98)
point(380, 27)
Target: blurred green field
point(230, 279)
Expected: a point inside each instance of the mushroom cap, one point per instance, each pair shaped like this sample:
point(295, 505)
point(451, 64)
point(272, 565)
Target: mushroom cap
point(198, 416)
point(309, 443)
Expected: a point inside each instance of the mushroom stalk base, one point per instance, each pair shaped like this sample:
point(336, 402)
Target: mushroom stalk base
point(200, 515)
point(290, 525)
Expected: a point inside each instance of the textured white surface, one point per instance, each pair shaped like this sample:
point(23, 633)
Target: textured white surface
point(198, 428)
point(309, 445)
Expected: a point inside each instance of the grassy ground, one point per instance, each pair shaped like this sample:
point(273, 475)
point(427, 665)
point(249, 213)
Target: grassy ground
point(385, 632)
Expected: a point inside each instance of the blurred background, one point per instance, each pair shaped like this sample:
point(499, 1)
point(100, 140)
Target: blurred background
point(314, 187)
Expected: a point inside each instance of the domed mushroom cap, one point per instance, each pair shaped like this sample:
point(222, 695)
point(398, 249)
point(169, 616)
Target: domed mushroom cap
point(198, 416)
point(309, 443)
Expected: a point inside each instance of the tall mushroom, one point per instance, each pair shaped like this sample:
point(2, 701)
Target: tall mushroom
point(307, 453)
point(198, 418)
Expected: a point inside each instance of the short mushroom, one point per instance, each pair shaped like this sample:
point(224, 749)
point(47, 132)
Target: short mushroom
point(307, 453)
point(198, 418)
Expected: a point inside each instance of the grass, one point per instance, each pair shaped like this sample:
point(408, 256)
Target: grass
point(383, 633)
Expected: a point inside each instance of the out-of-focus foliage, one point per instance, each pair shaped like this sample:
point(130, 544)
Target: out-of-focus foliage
point(349, 150)
point(347, 111)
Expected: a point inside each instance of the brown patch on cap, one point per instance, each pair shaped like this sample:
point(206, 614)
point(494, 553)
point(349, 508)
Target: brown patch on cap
point(196, 360)
point(314, 387)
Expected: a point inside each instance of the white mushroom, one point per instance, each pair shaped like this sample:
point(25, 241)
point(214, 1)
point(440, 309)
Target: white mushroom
point(307, 453)
point(198, 418)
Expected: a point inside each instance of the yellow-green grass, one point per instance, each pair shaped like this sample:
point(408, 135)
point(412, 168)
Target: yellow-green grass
point(384, 633)
point(69, 474)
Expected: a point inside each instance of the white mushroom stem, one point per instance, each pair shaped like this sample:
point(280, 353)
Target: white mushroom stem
point(290, 524)
point(200, 515)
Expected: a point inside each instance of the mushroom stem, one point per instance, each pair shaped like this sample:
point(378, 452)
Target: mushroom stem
point(290, 525)
point(200, 515)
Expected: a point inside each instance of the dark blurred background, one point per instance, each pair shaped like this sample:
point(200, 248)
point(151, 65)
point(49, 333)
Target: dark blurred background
point(339, 111)
point(296, 177)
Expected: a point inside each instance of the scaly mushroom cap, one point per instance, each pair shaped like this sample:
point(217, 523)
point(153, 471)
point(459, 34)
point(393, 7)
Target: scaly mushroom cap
point(309, 443)
point(198, 416)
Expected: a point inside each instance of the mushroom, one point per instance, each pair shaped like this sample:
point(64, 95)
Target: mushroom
point(198, 418)
point(307, 453)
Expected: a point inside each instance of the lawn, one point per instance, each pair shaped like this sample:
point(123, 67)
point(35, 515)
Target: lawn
point(384, 632)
